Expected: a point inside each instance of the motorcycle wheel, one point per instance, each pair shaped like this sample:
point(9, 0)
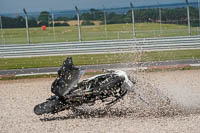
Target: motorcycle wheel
point(50, 106)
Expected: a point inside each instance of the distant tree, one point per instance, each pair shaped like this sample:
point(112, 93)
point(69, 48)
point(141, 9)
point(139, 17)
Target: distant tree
point(8, 22)
point(44, 18)
point(62, 19)
point(20, 22)
point(86, 16)
point(87, 22)
point(32, 22)
point(169, 15)
point(114, 18)
point(99, 15)
point(93, 15)
point(61, 24)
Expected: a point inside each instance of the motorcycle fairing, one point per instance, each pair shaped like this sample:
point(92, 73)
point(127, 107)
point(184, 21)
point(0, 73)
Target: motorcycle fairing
point(68, 77)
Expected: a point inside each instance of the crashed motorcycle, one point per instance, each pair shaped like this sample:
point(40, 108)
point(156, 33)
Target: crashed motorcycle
point(69, 93)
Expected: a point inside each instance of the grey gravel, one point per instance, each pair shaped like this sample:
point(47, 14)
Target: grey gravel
point(171, 104)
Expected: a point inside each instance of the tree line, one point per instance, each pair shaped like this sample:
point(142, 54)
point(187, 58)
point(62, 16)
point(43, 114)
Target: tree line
point(169, 15)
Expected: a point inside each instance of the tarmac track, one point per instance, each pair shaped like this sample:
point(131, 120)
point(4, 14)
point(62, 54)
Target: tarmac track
point(172, 104)
point(147, 65)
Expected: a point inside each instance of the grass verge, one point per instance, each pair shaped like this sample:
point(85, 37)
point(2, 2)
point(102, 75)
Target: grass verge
point(93, 73)
point(95, 59)
point(42, 76)
point(114, 31)
point(174, 69)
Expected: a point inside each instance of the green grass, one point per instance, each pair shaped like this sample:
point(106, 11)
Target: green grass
point(11, 77)
point(54, 61)
point(173, 69)
point(114, 31)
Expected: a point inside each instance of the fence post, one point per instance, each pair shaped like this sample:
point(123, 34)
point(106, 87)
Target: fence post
point(105, 23)
point(160, 16)
point(199, 12)
point(188, 15)
point(1, 30)
point(27, 28)
point(133, 20)
point(53, 25)
point(79, 27)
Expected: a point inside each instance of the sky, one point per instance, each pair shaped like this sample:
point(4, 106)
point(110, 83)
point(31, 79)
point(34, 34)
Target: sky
point(16, 6)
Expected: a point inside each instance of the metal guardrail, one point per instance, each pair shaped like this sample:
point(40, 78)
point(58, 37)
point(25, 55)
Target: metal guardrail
point(95, 47)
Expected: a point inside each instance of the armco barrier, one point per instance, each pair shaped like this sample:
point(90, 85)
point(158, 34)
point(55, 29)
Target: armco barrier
point(95, 47)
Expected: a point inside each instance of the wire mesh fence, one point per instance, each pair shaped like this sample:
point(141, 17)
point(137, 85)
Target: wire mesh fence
point(101, 24)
